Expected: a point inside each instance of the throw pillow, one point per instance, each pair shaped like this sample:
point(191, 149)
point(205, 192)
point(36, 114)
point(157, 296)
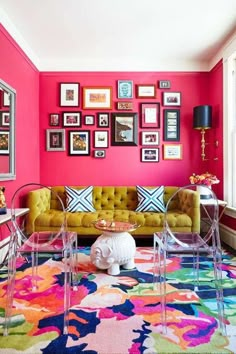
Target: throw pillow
point(79, 199)
point(150, 199)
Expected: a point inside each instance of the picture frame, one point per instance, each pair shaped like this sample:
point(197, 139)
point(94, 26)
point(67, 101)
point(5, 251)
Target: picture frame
point(97, 97)
point(125, 89)
point(5, 119)
point(150, 115)
point(4, 142)
point(146, 91)
point(71, 119)
point(171, 99)
point(124, 106)
point(55, 140)
point(54, 119)
point(101, 139)
point(149, 154)
point(79, 142)
point(164, 84)
point(171, 125)
point(124, 129)
point(69, 94)
point(103, 120)
point(89, 119)
point(150, 138)
point(100, 154)
point(172, 152)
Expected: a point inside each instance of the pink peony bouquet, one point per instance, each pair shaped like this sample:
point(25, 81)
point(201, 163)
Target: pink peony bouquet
point(205, 178)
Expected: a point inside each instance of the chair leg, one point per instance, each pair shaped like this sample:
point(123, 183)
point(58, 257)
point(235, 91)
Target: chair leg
point(67, 284)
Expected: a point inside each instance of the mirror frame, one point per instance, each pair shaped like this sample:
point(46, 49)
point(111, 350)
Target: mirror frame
point(12, 148)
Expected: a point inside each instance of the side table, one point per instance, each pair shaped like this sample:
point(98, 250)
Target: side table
point(115, 247)
point(4, 220)
point(209, 202)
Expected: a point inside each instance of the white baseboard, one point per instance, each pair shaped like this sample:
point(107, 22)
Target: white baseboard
point(228, 236)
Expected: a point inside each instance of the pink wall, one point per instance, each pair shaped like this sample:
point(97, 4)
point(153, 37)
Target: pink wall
point(122, 165)
point(18, 71)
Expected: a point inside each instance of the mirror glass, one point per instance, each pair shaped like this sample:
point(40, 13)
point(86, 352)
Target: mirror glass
point(7, 132)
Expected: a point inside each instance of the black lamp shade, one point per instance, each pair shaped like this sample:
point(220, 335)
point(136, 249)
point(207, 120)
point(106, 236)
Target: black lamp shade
point(202, 117)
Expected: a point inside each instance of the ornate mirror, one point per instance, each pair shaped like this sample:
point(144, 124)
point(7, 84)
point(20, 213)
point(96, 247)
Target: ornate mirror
point(7, 132)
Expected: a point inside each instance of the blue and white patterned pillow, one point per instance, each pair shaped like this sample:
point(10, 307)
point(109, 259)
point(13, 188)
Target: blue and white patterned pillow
point(150, 199)
point(79, 199)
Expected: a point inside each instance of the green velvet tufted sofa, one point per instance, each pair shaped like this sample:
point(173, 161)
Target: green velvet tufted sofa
point(111, 203)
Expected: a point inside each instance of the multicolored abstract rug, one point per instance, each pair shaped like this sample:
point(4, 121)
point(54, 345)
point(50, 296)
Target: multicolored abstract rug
point(119, 314)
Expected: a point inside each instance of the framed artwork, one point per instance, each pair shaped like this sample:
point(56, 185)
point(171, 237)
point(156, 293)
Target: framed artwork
point(69, 94)
point(55, 139)
point(171, 99)
point(4, 143)
point(54, 119)
point(150, 138)
point(101, 139)
point(149, 155)
point(89, 119)
point(5, 119)
point(172, 151)
point(103, 120)
point(150, 115)
point(99, 154)
point(146, 91)
point(125, 106)
point(171, 124)
point(164, 84)
point(125, 89)
point(124, 129)
point(71, 119)
point(97, 97)
point(79, 142)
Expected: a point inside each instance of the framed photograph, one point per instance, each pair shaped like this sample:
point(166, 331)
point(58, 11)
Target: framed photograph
point(171, 124)
point(103, 120)
point(124, 129)
point(5, 119)
point(171, 99)
point(5, 99)
point(89, 120)
point(69, 94)
point(150, 155)
point(172, 151)
point(54, 119)
point(4, 143)
point(97, 97)
point(71, 119)
point(101, 139)
point(99, 154)
point(125, 106)
point(55, 139)
point(164, 84)
point(146, 91)
point(150, 115)
point(150, 138)
point(125, 89)
point(79, 142)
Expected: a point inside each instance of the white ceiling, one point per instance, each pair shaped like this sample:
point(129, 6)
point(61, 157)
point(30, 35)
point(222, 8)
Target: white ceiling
point(120, 35)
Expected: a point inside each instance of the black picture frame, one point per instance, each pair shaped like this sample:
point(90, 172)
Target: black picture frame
point(150, 154)
point(103, 120)
point(124, 129)
point(69, 94)
point(171, 125)
point(79, 142)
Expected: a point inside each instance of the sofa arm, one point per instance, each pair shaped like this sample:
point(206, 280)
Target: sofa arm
point(38, 201)
point(189, 203)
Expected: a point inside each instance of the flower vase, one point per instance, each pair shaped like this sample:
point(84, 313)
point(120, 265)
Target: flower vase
point(204, 192)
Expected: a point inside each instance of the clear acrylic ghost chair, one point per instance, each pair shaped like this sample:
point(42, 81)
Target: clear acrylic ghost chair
point(199, 236)
point(21, 245)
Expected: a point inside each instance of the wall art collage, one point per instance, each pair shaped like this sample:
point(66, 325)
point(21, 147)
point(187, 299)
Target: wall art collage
point(120, 128)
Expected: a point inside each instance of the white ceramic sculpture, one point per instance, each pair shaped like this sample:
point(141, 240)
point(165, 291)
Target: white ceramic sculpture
point(112, 250)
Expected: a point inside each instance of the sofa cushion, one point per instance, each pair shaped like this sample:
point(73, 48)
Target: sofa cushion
point(150, 199)
point(79, 199)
